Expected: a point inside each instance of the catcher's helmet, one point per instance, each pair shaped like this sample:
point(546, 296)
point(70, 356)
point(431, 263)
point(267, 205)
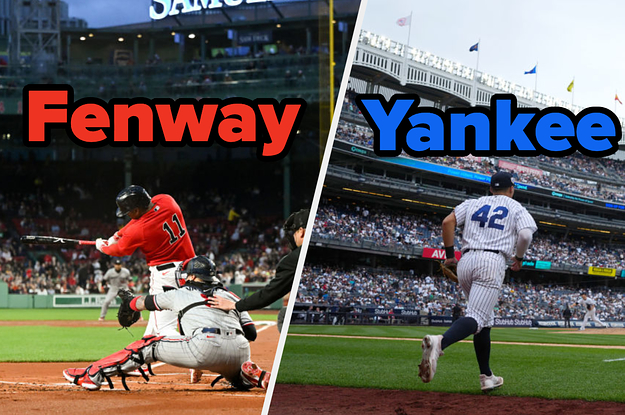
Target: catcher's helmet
point(131, 198)
point(200, 266)
point(293, 223)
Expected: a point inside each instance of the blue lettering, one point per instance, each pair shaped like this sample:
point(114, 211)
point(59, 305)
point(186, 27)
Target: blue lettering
point(553, 131)
point(435, 132)
point(509, 130)
point(459, 124)
point(595, 124)
point(552, 125)
point(387, 124)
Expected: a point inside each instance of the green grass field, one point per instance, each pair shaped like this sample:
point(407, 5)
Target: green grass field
point(47, 343)
point(528, 370)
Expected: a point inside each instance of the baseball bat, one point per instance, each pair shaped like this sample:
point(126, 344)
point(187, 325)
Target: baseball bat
point(52, 240)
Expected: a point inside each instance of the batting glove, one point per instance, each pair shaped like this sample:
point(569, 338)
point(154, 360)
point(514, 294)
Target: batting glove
point(100, 243)
point(113, 239)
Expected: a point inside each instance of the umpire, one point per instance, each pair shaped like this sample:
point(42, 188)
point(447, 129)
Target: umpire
point(280, 285)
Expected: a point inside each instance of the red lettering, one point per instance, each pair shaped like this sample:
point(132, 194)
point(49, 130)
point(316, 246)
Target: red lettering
point(279, 131)
point(174, 129)
point(39, 115)
point(142, 112)
point(242, 128)
point(90, 116)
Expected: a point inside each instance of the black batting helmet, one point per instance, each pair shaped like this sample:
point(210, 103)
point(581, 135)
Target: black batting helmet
point(131, 198)
point(200, 266)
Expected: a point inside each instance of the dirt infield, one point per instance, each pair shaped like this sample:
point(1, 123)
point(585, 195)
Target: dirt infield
point(315, 400)
point(27, 388)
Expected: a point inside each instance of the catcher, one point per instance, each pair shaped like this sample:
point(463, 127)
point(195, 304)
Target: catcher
point(209, 338)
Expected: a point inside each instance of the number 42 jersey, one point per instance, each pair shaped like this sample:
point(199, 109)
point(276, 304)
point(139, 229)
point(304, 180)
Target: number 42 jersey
point(161, 234)
point(492, 222)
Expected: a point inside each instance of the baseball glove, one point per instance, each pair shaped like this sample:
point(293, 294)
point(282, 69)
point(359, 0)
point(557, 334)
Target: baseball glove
point(449, 271)
point(126, 316)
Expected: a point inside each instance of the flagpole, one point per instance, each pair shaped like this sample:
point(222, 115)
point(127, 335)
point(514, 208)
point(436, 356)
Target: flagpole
point(536, 82)
point(573, 96)
point(615, 95)
point(477, 65)
point(405, 71)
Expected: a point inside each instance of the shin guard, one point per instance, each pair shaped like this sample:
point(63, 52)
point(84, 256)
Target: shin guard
point(130, 358)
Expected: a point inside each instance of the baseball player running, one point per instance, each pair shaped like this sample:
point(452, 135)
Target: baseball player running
point(492, 226)
point(589, 304)
point(209, 338)
point(117, 278)
point(158, 229)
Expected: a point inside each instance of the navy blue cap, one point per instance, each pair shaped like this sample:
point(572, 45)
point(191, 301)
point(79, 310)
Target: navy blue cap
point(501, 180)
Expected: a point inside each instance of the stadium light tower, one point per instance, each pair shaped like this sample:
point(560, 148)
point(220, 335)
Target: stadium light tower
point(36, 32)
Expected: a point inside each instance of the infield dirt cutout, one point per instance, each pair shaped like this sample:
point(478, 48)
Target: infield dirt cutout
point(27, 388)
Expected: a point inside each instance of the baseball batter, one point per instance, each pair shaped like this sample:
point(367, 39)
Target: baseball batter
point(495, 228)
point(590, 307)
point(116, 278)
point(209, 338)
point(158, 229)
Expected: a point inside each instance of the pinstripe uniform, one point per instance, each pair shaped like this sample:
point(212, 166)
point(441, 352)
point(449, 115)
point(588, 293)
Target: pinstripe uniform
point(590, 307)
point(490, 229)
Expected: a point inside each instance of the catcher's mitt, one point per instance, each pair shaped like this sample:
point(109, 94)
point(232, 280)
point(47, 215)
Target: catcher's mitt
point(449, 271)
point(126, 315)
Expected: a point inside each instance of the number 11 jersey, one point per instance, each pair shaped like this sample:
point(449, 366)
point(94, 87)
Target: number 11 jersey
point(161, 234)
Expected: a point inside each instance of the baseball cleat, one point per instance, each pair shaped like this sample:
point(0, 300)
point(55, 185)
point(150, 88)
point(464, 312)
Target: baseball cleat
point(87, 383)
point(79, 376)
point(74, 374)
point(255, 375)
point(432, 350)
point(488, 383)
point(196, 375)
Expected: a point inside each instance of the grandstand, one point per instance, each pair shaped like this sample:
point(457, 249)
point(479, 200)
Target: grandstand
point(234, 204)
point(378, 233)
point(236, 225)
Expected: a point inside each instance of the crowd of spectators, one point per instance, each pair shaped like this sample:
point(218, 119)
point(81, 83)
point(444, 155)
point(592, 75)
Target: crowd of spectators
point(607, 189)
point(244, 250)
point(245, 247)
point(369, 289)
point(387, 227)
point(356, 223)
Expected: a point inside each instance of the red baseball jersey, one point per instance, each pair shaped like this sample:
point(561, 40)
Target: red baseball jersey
point(160, 233)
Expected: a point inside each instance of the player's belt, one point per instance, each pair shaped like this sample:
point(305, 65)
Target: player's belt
point(163, 267)
point(494, 251)
point(219, 331)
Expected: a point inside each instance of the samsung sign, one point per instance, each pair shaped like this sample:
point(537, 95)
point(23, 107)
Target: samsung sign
point(160, 9)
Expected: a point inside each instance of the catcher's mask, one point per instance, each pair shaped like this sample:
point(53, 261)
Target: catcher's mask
point(293, 223)
point(202, 267)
